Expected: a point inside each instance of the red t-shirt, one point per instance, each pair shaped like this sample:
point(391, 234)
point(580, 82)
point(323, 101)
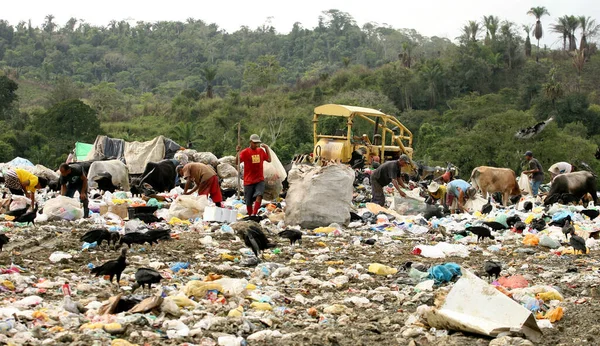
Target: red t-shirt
point(253, 165)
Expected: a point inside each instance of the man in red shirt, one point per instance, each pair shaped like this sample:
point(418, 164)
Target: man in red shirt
point(254, 179)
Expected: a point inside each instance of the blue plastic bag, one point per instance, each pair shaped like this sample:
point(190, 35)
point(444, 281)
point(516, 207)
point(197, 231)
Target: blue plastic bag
point(179, 265)
point(444, 273)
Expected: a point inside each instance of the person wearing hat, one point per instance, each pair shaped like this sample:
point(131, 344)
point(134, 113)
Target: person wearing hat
point(389, 172)
point(205, 180)
point(458, 192)
point(437, 192)
point(535, 171)
point(253, 158)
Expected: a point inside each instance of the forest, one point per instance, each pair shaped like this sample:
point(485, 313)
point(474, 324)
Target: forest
point(463, 99)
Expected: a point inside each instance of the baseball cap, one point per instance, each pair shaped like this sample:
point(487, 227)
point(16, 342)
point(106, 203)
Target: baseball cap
point(528, 153)
point(255, 138)
point(433, 187)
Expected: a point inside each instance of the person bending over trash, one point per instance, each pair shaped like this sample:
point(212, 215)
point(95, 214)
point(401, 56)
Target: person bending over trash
point(436, 192)
point(205, 180)
point(389, 172)
point(560, 168)
point(21, 182)
point(457, 193)
point(72, 178)
point(253, 158)
point(536, 171)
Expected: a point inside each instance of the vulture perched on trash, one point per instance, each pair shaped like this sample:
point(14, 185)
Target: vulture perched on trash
point(370, 241)
point(520, 226)
point(496, 226)
point(577, 243)
point(527, 206)
point(482, 232)
point(492, 268)
point(159, 234)
point(253, 236)
point(98, 235)
point(113, 268)
point(567, 227)
point(28, 217)
point(512, 220)
point(17, 212)
point(293, 235)
point(146, 276)
point(531, 131)
point(3, 240)
point(136, 238)
point(591, 213)
point(487, 208)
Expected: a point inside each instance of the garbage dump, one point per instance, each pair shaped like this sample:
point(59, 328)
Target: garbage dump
point(323, 267)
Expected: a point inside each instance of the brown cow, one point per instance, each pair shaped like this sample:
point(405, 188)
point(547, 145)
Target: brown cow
point(492, 179)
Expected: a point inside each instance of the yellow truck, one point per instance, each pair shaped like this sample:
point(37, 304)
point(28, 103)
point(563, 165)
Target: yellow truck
point(335, 129)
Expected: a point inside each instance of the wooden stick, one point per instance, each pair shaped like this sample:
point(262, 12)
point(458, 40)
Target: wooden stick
point(239, 143)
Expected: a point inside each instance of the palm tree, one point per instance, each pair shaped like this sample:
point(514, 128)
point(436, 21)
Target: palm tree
point(432, 74)
point(589, 29)
point(49, 24)
point(527, 29)
point(474, 28)
point(572, 26)
point(538, 13)
point(508, 34)
point(561, 28)
point(553, 89)
point(210, 73)
point(491, 27)
point(186, 133)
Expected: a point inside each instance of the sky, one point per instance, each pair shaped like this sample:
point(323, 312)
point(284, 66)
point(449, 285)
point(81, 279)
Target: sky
point(442, 18)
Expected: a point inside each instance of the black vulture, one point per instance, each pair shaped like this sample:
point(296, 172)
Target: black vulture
point(28, 217)
point(253, 236)
point(147, 218)
point(492, 268)
point(527, 206)
point(433, 211)
point(496, 226)
point(98, 235)
point(538, 224)
point(136, 238)
point(3, 240)
point(482, 232)
point(17, 212)
point(578, 243)
point(293, 235)
point(146, 276)
point(568, 228)
point(520, 226)
point(560, 222)
point(355, 217)
point(159, 234)
point(112, 268)
point(591, 213)
point(512, 220)
point(487, 208)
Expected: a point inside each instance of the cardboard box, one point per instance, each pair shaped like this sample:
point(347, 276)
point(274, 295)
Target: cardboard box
point(219, 214)
point(120, 210)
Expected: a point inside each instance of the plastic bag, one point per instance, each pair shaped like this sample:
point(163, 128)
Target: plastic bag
point(19, 202)
point(407, 206)
point(380, 269)
point(525, 185)
point(228, 159)
point(275, 174)
point(225, 170)
point(231, 183)
point(188, 207)
point(531, 240)
point(206, 158)
point(63, 208)
point(549, 242)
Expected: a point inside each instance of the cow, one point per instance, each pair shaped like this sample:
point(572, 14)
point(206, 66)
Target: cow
point(493, 179)
point(109, 175)
point(577, 184)
point(160, 176)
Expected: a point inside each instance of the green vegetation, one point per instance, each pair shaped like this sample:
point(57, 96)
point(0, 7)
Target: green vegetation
point(194, 82)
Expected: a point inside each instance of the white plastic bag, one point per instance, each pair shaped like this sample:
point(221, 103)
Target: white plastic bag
point(228, 159)
point(19, 202)
point(188, 207)
point(525, 184)
point(275, 174)
point(63, 208)
point(206, 158)
point(231, 183)
point(225, 170)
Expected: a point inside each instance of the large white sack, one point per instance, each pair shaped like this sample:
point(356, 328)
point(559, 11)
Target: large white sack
point(63, 208)
point(319, 196)
point(228, 159)
point(231, 183)
point(42, 171)
point(206, 158)
point(117, 169)
point(188, 207)
point(225, 170)
point(525, 184)
point(182, 158)
point(275, 174)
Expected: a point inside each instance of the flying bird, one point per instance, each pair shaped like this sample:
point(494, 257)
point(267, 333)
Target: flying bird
point(293, 235)
point(253, 236)
point(146, 276)
point(531, 131)
point(99, 235)
point(492, 268)
point(113, 268)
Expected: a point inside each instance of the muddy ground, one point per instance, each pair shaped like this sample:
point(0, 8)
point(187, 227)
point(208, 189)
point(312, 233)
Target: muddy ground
point(380, 322)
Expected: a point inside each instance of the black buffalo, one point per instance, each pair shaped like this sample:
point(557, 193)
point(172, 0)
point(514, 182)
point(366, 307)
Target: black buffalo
point(160, 175)
point(577, 184)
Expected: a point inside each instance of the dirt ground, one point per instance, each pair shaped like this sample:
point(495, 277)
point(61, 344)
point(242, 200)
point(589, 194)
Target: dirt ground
point(381, 322)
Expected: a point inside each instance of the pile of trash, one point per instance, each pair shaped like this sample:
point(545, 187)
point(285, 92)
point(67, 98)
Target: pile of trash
point(336, 269)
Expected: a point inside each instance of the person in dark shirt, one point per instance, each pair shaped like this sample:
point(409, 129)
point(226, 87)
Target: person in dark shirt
point(389, 172)
point(536, 171)
point(72, 178)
